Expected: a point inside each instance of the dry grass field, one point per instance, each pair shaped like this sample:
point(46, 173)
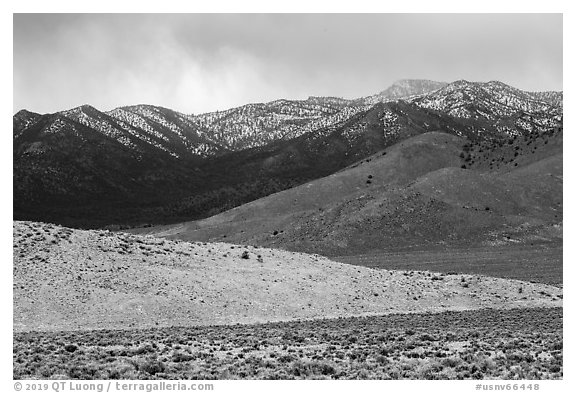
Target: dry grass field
point(484, 344)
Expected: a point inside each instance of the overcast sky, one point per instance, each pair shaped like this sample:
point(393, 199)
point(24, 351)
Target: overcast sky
point(197, 63)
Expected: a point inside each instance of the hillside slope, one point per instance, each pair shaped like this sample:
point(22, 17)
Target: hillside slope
point(398, 165)
point(415, 193)
point(67, 279)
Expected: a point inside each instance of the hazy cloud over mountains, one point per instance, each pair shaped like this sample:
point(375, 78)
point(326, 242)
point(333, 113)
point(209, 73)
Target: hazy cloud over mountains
point(199, 63)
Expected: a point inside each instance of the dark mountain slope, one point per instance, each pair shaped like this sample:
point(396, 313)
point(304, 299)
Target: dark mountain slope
point(387, 206)
point(113, 178)
point(505, 155)
point(143, 164)
point(519, 192)
point(398, 165)
point(22, 120)
point(63, 166)
point(244, 176)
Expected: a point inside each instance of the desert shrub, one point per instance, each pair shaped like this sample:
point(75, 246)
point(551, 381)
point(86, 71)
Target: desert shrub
point(430, 371)
point(143, 349)
point(322, 368)
point(555, 368)
point(86, 371)
point(451, 362)
point(121, 371)
point(557, 346)
point(152, 366)
point(426, 337)
point(286, 358)
point(178, 357)
point(383, 349)
point(301, 368)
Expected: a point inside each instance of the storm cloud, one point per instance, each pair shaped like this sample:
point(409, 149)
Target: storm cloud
point(197, 63)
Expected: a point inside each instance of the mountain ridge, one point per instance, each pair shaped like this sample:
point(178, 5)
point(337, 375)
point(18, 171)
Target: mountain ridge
point(257, 124)
point(177, 166)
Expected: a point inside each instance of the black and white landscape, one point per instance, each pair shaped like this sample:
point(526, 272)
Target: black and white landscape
point(411, 233)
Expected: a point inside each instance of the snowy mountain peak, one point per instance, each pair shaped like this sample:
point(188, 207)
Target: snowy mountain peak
point(82, 109)
point(416, 84)
point(404, 88)
point(513, 110)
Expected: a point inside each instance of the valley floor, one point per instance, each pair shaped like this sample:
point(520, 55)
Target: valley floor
point(482, 344)
point(537, 263)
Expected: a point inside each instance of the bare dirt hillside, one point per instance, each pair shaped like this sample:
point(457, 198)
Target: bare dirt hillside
point(67, 279)
point(427, 191)
point(255, 221)
point(398, 165)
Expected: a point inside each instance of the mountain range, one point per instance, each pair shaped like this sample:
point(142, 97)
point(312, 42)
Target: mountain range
point(143, 164)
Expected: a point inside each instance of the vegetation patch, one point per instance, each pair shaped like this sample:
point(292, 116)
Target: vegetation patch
point(484, 344)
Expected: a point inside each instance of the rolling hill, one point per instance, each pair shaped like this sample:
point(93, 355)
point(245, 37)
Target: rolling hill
point(67, 279)
point(398, 165)
point(417, 193)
